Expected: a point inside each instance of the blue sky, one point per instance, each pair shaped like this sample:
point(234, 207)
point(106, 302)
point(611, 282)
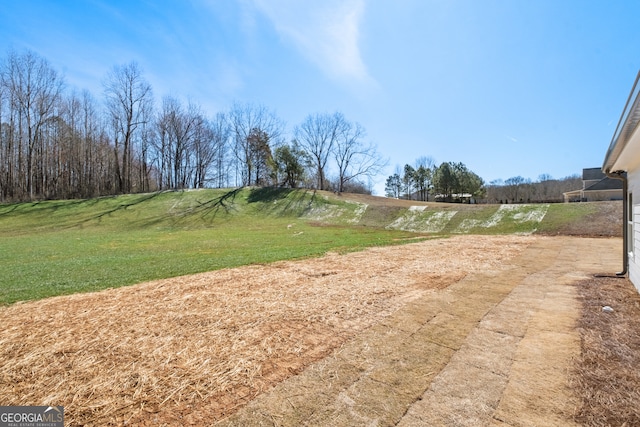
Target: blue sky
point(508, 87)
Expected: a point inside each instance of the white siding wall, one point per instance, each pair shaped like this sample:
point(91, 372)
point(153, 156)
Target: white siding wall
point(634, 228)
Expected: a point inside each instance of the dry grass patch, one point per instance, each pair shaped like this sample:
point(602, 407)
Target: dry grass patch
point(606, 375)
point(193, 349)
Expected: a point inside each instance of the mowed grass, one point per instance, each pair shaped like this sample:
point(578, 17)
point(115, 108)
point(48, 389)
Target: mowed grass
point(62, 247)
point(561, 215)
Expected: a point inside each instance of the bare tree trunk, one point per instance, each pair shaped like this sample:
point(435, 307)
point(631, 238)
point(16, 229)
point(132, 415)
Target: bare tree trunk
point(317, 135)
point(244, 121)
point(129, 102)
point(355, 159)
point(34, 89)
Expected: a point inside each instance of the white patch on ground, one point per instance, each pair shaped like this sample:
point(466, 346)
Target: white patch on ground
point(517, 213)
point(535, 215)
point(325, 212)
point(357, 214)
point(333, 212)
point(416, 219)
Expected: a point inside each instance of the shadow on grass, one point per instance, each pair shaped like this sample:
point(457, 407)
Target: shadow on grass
point(211, 208)
point(290, 201)
point(267, 194)
point(123, 206)
point(9, 208)
point(40, 206)
point(203, 211)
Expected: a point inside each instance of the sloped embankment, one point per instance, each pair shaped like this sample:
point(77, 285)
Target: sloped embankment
point(427, 218)
point(595, 219)
point(521, 219)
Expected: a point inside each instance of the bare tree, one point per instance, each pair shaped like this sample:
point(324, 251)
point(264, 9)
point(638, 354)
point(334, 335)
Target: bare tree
point(317, 135)
point(203, 150)
point(181, 136)
point(517, 189)
point(33, 88)
point(95, 149)
point(73, 149)
point(188, 146)
point(514, 187)
point(220, 147)
point(143, 144)
point(6, 163)
point(62, 144)
point(246, 120)
point(129, 101)
point(542, 189)
point(354, 158)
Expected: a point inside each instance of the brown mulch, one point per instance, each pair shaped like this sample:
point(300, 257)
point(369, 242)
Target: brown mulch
point(607, 372)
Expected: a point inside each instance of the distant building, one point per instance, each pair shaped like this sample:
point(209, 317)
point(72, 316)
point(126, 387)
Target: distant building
point(455, 198)
point(596, 187)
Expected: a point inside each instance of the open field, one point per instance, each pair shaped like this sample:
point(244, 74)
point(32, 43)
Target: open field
point(63, 247)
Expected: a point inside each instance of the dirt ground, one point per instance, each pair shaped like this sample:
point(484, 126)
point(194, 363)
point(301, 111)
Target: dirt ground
point(470, 330)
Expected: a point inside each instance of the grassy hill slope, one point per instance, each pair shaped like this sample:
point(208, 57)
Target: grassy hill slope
point(59, 247)
point(595, 219)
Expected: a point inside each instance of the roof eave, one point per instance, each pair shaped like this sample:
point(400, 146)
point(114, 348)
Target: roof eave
point(627, 124)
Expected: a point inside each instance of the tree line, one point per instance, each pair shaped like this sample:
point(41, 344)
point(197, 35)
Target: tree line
point(518, 189)
point(60, 144)
point(426, 181)
point(454, 182)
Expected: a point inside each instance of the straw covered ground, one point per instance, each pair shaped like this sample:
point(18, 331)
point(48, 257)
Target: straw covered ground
point(606, 374)
point(194, 349)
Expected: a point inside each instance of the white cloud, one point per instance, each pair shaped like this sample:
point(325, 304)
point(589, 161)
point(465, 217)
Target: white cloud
point(325, 32)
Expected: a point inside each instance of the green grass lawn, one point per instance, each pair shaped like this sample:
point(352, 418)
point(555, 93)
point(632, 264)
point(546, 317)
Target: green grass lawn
point(561, 214)
point(63, 247)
